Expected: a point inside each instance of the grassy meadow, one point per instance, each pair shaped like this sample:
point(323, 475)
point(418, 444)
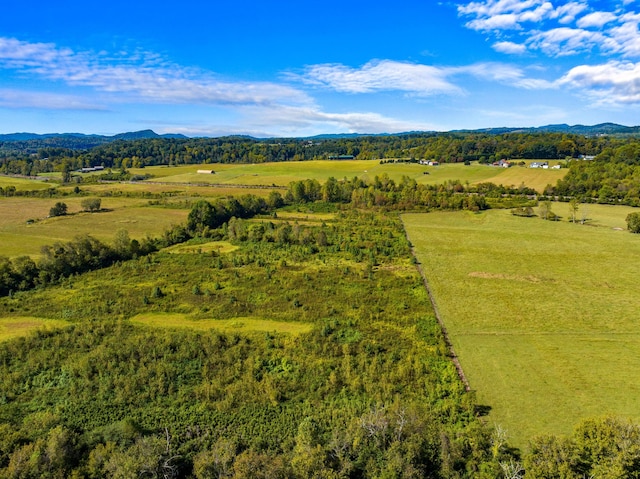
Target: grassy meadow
point(281, 174)
point(236, 325)
point(543, 315)
point(25, 228)
point(18, 326)
point(24, 184)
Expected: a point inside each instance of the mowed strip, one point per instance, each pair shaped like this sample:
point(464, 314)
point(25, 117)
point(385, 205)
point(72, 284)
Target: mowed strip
point(543, 315)
point(235, 325)
point(19, 326)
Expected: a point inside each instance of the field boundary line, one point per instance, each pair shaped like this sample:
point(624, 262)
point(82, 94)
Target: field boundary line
point(443, 328)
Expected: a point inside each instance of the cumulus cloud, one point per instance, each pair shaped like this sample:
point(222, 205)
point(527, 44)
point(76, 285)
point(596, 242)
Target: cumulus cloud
point(509, 47)
point(614, 82)
point(596, 19)
point(142, 76)
point(565, 41)
point(555, 30)
point(505, 14)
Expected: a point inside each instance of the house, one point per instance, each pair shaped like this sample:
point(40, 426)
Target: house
point(502, 164)
point(537, 164)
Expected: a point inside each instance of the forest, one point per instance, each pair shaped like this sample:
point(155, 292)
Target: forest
point(355, 380)
point(16, 158)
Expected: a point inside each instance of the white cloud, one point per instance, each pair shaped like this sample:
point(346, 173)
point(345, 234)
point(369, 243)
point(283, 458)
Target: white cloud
point(380, 75)
point(615, 82)
point(11, 98)
point(413, 79)
point(567, 13)
point(625, 38)
point(141, 76)
point(505, 14)
point(509, 47)
point(555, 30)
point(565, 41)
point(596, 19)
point(496, 7)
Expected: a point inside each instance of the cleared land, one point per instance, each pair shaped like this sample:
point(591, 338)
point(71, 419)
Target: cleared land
point(281, 174)
point(543, 315)
point(24, 184)
point(15, 327)
point(238, 325)
point(132, 214)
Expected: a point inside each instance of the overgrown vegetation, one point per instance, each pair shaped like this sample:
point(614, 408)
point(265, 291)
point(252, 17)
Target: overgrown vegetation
point(290, 334)
point(369, 392)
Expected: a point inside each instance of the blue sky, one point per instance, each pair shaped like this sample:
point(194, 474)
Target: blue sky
point(291, 68)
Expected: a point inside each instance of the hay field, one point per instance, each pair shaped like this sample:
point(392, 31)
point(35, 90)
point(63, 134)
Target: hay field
point(134, 215)
point(14, 327)
point(24, 184)
point(282, 173)
point(544, 315)
point(236, 325)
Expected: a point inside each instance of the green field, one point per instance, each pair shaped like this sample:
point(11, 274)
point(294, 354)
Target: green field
point(18, 237)
point(24, 184)
point(236, 325)
point(543, 315)
point(283, 173)
point(15, 327)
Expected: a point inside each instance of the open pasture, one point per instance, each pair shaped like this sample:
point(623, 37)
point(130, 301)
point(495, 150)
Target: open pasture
point(132, 214)
point(281, 174)
point(220, 247)
point(236, 325)
point(24, 184)
point(14, 327)
point(174, 190)
point(543, 315)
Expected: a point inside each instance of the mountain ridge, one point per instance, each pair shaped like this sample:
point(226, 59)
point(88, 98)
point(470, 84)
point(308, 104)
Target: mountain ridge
point(87, 141)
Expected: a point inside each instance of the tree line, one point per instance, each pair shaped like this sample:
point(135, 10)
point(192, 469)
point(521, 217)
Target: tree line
point(443, 147)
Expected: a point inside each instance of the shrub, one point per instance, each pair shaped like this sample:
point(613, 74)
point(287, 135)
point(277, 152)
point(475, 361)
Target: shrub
point(633, 222)
point(59, 209)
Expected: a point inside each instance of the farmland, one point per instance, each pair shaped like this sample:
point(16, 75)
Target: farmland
point(543, 315)
point(25, 227)
point(297, 314)
point(282, 173)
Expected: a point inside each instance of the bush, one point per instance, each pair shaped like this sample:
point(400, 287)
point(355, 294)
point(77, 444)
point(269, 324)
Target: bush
point(59, 209)
point(91, 204)
point(633, 222)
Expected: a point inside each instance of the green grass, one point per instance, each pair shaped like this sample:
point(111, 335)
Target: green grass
point(217, 246)
point(173, 189)
point(14, 327)
point(283, 173)
point(542, 314)
point(237, 325)
point(24, 184)
point(132, 214)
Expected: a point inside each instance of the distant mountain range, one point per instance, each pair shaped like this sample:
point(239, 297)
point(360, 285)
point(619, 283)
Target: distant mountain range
point(600, 129)
point(134, 135)
point(82, 141)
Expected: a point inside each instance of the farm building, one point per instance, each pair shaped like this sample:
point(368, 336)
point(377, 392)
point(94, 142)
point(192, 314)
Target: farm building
point(206, 172)
point(538, 164)
point(91, 169)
